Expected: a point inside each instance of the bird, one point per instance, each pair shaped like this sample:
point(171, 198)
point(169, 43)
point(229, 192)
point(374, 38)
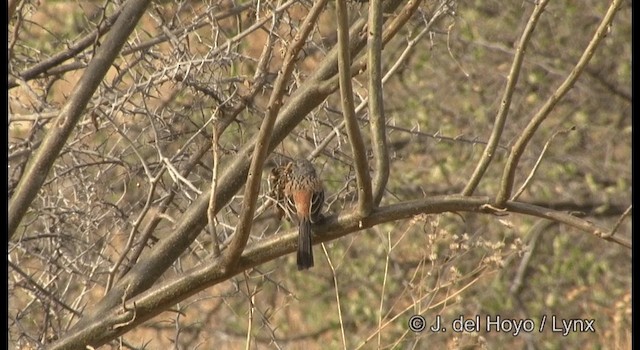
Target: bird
point(304, 199)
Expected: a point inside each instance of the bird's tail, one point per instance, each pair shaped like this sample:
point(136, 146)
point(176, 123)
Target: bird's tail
point(305, 251)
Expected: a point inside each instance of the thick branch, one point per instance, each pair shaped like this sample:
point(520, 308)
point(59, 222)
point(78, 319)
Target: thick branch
point(163, 297)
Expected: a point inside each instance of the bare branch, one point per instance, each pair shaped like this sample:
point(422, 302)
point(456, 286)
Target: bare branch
point(565, 218)
point(42, 290)
point(619, 222)
point(220, 127)
point(119, 230)
point(143, 274)
point(337, 293)
point(533, 237)
point(505, 102)
point(376, 102)
point(526, 182)
point(38, 168)
point(158, 299)
point(362, 64)
point(365, 200)
point(72, 51)
point(265, 58)
point(211, 213)
point(508, 176)
point(260, 152)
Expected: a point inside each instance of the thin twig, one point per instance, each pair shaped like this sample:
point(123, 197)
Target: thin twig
point(526, 182)
point(384, 287)
point(431, 307)
point(337, 292)
point(42, 290)
point(252, 306)
point(534, 234)
point(618, 223)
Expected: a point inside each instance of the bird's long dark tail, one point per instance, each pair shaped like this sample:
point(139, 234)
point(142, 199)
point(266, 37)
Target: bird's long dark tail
point(305, 251)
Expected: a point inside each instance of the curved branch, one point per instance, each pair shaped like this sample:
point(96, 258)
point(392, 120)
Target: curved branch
point(376, 103)
point(565, 218)
point(365, 200)
point(155, 301)
point(509, 173)
point(505, 103)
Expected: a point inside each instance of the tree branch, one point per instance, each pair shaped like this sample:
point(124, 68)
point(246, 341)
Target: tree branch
point(508, 176)
point(155, 301)
point(365, 202)
point(260, 152)
point(38, 169)
point(73, 50)
point(505, 103)
point(376, 103)
point(165, 252)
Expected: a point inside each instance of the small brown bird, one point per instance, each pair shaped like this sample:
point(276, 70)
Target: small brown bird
point(304, 200)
